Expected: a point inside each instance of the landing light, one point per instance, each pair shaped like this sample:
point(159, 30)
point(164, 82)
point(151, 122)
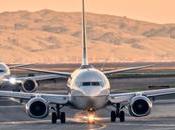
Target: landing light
point(91, 118)
point(12, 80)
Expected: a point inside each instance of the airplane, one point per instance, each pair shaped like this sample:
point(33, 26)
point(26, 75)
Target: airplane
point(21, 83)
point(5, 72)
point(5, 69)
point(88, 90)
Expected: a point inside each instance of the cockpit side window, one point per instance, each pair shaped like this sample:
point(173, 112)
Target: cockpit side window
point(3, 68)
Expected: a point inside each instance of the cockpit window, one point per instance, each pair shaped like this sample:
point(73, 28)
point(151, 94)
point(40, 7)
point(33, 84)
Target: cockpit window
point(86, 84)
point(91, 84)
point(95, 84)
point(1, 71)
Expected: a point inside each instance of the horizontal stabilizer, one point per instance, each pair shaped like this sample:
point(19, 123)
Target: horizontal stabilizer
point(125, 69)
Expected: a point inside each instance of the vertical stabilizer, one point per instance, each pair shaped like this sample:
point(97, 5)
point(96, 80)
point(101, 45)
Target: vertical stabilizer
point(84, 36)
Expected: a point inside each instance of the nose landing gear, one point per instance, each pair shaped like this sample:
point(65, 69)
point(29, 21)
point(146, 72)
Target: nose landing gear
point(91, 116)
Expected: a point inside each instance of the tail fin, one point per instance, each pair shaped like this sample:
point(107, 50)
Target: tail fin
point(84, 40)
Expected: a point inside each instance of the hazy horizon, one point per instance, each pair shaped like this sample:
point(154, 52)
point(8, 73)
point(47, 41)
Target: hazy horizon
point(145, 10)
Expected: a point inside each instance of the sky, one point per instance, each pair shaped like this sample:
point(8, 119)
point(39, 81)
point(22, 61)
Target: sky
point(158, 11)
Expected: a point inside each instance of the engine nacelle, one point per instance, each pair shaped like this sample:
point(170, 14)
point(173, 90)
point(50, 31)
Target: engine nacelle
point(29, 86)
point(140, 106)
point(37, 108)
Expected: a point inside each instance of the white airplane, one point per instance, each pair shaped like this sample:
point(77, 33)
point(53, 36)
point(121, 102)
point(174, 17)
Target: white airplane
point(25, 84)
point(88, 90)
point(5, 70)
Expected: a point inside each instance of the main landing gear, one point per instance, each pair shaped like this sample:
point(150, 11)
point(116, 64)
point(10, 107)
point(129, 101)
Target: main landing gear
point(58, 115)
point(119, 113)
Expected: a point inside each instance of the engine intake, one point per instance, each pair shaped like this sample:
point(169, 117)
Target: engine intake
point(140, 106)
point(37, 108)
point(29, 86)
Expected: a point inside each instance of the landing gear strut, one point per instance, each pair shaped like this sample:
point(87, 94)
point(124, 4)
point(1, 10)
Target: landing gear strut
point(119, 113)
point(58, 115)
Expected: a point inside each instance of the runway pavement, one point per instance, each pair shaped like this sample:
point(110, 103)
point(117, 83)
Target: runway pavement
point(13, 117)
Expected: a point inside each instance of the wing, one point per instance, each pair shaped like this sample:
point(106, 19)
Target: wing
point(126, 97)
point(41, 77)
point(18, 65)
point(143, 75)
point(5, 69)
point(14, 80)
point(50, 98)
point(65, 74)
point(125, 69)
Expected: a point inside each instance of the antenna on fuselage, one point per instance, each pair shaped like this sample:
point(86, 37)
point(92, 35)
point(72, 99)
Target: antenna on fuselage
point(84, 36)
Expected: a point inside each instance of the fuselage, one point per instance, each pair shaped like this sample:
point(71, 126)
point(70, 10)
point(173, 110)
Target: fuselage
point(4, 72)
point(89, 88)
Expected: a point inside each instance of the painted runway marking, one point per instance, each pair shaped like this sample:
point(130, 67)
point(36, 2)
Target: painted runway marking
point(96, 126)
point(147, 124)
point(161, 128)
point(23, 122)
point(101, 126)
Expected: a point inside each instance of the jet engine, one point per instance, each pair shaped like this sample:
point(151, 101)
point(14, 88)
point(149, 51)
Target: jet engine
point(29, 86)
point(140, 106)
point(37, 108)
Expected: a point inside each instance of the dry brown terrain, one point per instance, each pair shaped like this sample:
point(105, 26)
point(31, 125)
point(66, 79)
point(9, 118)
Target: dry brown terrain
point(54, 37)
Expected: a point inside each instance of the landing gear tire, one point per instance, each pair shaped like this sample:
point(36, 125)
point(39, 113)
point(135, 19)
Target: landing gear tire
point(122, 116)
point(113, 116)
point(58, 115)
point(54, 117)
point(119, 113)
point(62, 117)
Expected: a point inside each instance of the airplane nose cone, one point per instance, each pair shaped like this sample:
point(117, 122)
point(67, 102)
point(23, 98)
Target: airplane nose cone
point(91, 90)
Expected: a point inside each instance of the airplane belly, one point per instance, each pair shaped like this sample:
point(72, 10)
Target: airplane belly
point(86, 102)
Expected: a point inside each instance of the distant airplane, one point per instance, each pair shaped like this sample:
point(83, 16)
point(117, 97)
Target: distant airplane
point(26, 84)
point(89, 90)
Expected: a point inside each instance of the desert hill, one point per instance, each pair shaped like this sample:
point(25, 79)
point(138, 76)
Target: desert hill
point(47, 36)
